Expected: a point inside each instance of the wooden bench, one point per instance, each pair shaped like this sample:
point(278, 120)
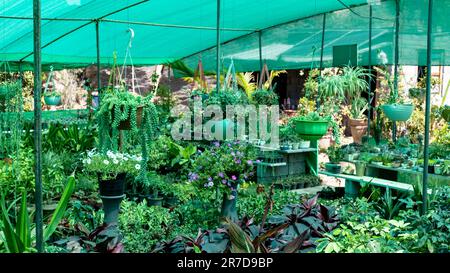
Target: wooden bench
point(353, 183)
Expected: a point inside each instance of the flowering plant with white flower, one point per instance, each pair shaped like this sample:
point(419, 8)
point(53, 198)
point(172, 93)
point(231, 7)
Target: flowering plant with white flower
point(110, 164)
point(224, 165)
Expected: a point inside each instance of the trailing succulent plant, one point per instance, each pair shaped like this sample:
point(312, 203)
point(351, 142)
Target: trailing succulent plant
point(120, 106)
point(296, 230)
point(265, 97)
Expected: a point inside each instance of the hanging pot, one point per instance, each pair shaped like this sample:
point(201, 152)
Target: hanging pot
point(126, 124)
point(311, 130)
point(52, 100)
point(398, 112)
point(358, 128)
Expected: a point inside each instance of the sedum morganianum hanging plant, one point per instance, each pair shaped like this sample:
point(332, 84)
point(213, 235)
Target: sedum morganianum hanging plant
point(122, 110)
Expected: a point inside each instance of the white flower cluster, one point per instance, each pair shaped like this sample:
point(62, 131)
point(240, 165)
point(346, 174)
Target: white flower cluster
point(111, 159)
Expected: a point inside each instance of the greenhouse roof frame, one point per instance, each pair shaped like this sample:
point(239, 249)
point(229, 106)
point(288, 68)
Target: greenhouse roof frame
point(37, 63)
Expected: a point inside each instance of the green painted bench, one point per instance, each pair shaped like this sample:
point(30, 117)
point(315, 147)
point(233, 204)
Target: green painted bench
point(353, 183)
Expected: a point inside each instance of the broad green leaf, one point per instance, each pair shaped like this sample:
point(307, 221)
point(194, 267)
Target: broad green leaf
point(60, 209)
point(11, 238)
point(23, 223)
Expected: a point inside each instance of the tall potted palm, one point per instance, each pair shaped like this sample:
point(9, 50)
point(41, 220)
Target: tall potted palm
point(354, 84)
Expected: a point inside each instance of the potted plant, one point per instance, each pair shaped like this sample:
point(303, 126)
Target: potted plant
point(360, 168)
point(377, 160)
point(446, 113)
point(395, 108)
point(438, 167)
point(124, 110)
point(312, 126)
point(446, 167)
point(52, 98)
point(152, 186)
point(111, 169)
point(223, 167)
point(265, 97)
point(358, 121)
point(354, 84)
point(335, 155)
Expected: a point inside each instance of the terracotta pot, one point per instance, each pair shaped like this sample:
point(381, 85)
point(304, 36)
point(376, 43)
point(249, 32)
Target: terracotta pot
point(325, 142)
point(358, 128)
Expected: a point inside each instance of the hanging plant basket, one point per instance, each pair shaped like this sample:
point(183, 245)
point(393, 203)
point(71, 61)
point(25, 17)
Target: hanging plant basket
point(311, 130)
point(126, 124)
point(3, 92)
point(398, 112)
point(52, 100)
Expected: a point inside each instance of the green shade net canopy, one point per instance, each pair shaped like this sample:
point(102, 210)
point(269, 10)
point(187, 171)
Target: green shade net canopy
point(168, 30)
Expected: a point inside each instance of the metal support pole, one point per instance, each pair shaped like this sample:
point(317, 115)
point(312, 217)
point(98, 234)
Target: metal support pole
point(321, 53)
point(260, 51)
point(369, 99)
point(397, 33)
point(427, 108)
point(97, 39)
point(21, 86)
point(38, 124)
point(218, 47)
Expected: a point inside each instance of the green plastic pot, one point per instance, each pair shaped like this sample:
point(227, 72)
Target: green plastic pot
point(52, 100)
point(311, 130)
point(333, 167)
point(398, 112)
point(360, 168)
point(154, 201)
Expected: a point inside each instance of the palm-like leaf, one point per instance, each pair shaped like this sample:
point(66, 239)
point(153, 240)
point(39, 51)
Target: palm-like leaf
point(273, 75)
point(244, 81)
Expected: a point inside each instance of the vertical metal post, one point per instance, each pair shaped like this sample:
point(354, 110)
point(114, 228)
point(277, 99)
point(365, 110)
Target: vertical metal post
point(99, 81)
point(38, 124)
point(427, 108)
point(218, 47)
point(369, 99)
point(260, 51)
point(321, 54)
point(21, 85)
point(397, 34)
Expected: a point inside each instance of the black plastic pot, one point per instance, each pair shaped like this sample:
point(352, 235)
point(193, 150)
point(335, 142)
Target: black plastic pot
point(170, 201)
point(333, 168)
point(113, 187)
point(155, 201)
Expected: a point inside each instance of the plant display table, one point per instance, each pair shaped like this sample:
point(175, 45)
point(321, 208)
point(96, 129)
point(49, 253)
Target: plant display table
point(353, 183)
point(292, 162)
point(403, 175)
